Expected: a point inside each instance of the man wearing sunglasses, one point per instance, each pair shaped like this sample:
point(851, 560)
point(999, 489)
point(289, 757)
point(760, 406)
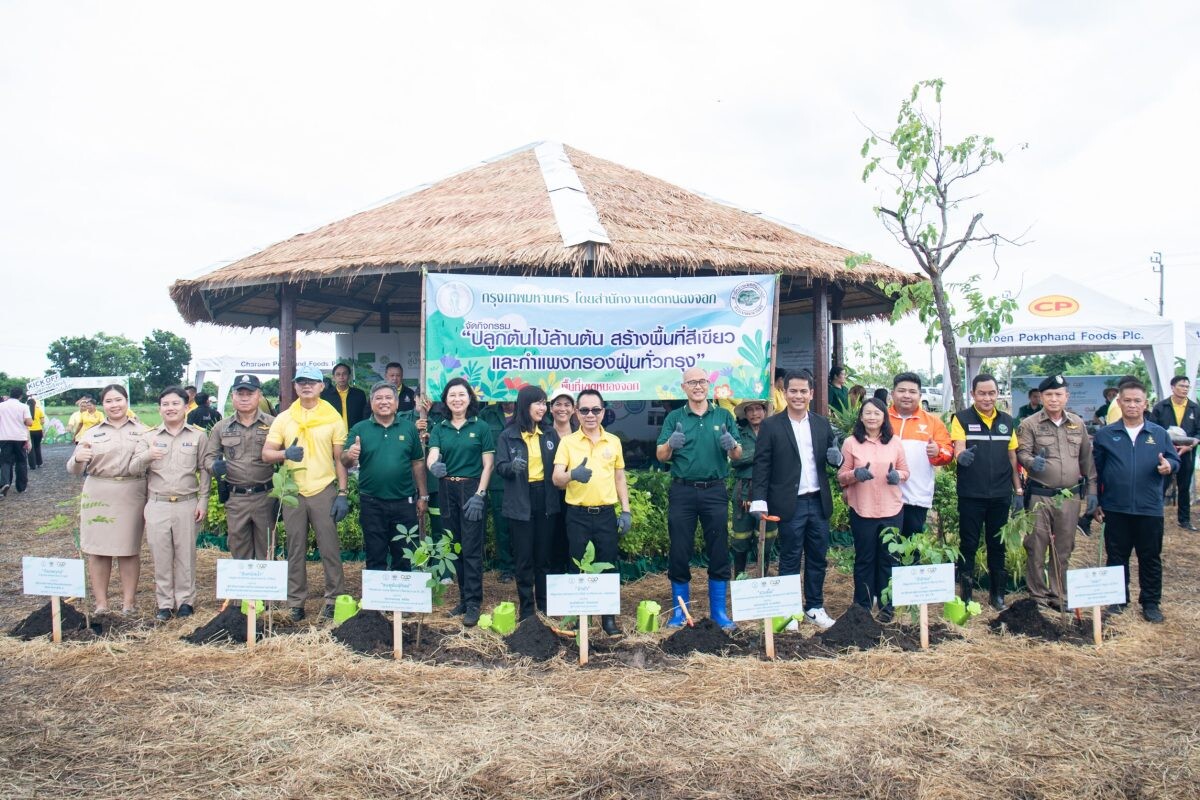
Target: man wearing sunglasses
point(698, 440)
point(590, 465)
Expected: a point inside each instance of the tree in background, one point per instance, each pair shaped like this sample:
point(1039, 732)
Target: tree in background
point(270, 388)
point(928, 174)
point(84, 356)
point(164, 355)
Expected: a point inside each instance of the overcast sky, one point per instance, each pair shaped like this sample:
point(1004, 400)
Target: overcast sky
point(145, 142)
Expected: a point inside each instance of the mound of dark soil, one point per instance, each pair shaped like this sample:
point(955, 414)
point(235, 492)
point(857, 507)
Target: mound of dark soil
point(908, 637)
point(228, 626)
point(39, 622)
point(791, 646)
point(706, 637)
point(855, 628)
point(367, 632)
point(534, 640)
point(1024, 618)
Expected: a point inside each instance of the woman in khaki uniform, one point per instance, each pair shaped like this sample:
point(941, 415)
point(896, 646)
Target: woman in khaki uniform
point(113, 498)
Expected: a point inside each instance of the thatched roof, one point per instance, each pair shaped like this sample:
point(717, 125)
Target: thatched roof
point(499, 217)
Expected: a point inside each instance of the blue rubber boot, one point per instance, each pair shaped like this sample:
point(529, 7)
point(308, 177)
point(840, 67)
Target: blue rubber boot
point(717, 592)
point(683, 590)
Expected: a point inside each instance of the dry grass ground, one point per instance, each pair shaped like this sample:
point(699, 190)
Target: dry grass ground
point(145, 715)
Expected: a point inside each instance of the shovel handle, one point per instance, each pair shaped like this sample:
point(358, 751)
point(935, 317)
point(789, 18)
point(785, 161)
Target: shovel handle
point(687, 614)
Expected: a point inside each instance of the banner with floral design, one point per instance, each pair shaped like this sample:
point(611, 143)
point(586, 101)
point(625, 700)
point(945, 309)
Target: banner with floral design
point(631, 338)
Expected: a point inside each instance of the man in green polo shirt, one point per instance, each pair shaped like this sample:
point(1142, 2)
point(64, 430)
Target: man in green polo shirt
point(698, 440)
point(391, 478)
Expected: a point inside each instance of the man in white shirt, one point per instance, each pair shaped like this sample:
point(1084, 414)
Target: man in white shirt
point(15, 421)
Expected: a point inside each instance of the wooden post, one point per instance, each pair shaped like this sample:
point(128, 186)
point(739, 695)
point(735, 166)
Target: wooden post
point(55, 619)
point(774, 346)
point(768, 628)
point(924, 626)
point(1097, 629)
point(397, 636)
point(251, 625)
point(583, 639)
point(820, 317)
point(287, 344)
point(422, 388)
point(836, 295)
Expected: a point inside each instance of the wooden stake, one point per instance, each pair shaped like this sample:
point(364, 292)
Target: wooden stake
point(251, 624)
point(770, 632)
point(583, 639)
point(768, 627)
point(397, 636)
point(1097, 631)
point(55, 619)
point(924, 626)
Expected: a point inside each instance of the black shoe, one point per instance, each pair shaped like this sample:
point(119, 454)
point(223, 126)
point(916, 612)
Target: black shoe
point(185, 610)
point(966, 588)
point(1115, 609)
point(458, 610)
point(887, 614)
point(296, 614)
point(608, 623)
point(506, 577)
point(1152, 614)
point(327, 612)
point(471, 616)
point(163, 615)
point(1187, 526)
point(4, 490)
point(998, 603)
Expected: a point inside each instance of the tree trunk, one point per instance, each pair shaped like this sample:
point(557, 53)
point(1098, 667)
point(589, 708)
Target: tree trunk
point(949, 344)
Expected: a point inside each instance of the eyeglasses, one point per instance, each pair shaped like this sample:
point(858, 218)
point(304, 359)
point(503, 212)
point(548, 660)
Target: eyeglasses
point(696, 384)
point(587, 412)
point(306, 382)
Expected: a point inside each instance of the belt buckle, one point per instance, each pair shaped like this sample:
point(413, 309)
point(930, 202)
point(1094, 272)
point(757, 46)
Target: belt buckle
point(173, 498)
point(593, 509)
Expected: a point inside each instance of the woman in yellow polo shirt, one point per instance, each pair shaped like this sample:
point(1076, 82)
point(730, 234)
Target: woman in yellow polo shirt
point(36, 431)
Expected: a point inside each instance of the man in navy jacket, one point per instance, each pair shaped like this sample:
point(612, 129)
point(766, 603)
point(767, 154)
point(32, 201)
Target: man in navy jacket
point(1133, 459)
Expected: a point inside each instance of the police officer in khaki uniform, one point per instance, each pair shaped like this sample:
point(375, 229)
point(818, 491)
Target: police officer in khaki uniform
point(176, 501)
point(235, 447)
point(1054, 447)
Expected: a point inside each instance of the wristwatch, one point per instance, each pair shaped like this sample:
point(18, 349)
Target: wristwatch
point(481, 493)
point(424, 497)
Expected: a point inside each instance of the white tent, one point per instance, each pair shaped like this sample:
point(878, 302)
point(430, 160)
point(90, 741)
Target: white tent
point(1059, 315)
point(228, 366)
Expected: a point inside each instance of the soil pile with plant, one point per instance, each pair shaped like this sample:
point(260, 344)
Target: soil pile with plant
point(705, 637)
point(533, 639)
point(1025, 618)
point(40, 622)
point(855, 628)
point(228, 626)
point(367, 632)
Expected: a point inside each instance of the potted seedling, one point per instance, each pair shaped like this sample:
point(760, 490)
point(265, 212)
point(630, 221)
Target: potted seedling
point(436, 558)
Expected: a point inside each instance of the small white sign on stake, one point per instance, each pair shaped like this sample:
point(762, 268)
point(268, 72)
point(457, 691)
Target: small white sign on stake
point(57, 577)
point(922, 584)
point(407, 592)
point(1095, 586)
point(251, 580)
point(759, 598)
point(573, 595)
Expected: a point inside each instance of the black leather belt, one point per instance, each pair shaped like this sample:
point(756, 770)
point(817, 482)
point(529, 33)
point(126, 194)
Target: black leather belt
point(594, 509)
point(701, 484)
point(257, 488)
point(1041, 490)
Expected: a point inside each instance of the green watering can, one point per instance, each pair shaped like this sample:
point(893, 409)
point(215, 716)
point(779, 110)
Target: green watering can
point(779, 624)
point(259, 607)
point(647, 616)
point(958, 612)
point(344, 607)
point(504, 618)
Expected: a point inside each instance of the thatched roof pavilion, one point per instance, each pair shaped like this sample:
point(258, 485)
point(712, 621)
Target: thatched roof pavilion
point(543, 209)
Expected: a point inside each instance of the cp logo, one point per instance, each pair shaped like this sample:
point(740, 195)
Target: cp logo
point(1054, 305)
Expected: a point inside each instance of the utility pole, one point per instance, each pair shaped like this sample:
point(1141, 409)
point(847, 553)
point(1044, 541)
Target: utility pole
point(1157, 262)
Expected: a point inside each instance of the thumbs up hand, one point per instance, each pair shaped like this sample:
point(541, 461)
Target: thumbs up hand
point(893, 476)
point(677, 440)
point(581, 474)
point(1164, 466)
point(727, 441)
point(294, 452)
point(83, 453)
point(355, 449)
point(967, 457)
point(1039, 461)
point(863, 474)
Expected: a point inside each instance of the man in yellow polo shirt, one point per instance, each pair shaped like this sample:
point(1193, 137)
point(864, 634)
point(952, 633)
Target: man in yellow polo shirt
point(590, 465)
point(1180, 411)
point(985, 446)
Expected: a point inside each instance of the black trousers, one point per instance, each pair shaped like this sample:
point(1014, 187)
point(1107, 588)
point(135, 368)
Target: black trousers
point(453, 495)
point(595, 524)
point(687, 505)
point(912, 519)
point(805, 537)
point(13, 466)
point(379, 519)
point(531, 543)
point(1183, 486)
point(35, 450)
point(985, 516)
point(872, 560)
point(1125, 534)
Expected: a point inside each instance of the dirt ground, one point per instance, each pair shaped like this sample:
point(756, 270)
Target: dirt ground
point(139, 713)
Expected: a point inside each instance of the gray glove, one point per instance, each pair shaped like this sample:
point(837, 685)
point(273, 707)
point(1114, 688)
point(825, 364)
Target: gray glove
point(1018, 503)
point(438, 469)
point(473, 510)
point(1039, 461)
point(677, 440)
point(967, 457)
point(727, 441)
point(341, 507)
point(581, 474)
point(519, 464)
point(624, 523)
point(893, 477)
point(863, 473)
point(834, 457)
point(219, 469)
point(1092, 502)
point(294, 452)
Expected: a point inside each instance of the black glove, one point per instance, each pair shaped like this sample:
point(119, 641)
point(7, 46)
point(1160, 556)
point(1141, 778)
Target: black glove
point(834, 457)
point(967, 457)
point(1092, 502)
point(294, 452)
point(473, 510)
point(863, 473)
point(519, 464)
point(727, 441)
point(219, 469)
point(438, 468)
point(677, 440)
point(1018, 504)
point(341, 507)
point(1039, 461)
point(581, 474)
point(893, 477)
point(624, 523)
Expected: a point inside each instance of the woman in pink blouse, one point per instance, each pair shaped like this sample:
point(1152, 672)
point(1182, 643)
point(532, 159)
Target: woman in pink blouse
point(872, 467)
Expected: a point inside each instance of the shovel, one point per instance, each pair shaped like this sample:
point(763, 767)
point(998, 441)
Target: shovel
point(768, 628)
